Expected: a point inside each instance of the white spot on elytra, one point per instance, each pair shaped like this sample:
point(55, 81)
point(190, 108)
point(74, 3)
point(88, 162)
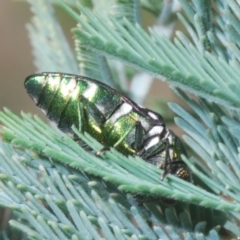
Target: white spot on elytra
point(124, 109)
point(69, 87)
point(168, 136)
point(53, 82)
point(156, 130)
point(90, 91)
point(152, 115)
point(151, 143)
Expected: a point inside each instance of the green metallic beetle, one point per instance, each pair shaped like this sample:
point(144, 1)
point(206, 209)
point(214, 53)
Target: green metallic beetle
point(109, 117)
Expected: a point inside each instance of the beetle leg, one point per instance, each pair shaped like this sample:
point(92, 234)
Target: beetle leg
point(153, 150)
point(76, 138)
point(139, 133)
point(80, 116)
point(167, 160)
point(126, 134)
point(139, 141)
point(80, 112)
point(160, 147)
point(83, 104)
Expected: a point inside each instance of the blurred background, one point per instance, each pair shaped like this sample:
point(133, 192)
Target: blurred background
point(16, 60)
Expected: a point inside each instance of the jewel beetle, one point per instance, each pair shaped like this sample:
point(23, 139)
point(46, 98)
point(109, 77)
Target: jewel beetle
point(110, 117)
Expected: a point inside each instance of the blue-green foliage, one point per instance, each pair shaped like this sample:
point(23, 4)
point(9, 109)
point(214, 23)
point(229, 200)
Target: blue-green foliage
point(58, 190)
